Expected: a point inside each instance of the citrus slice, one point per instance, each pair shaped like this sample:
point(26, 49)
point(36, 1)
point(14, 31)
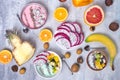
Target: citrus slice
point(45, 35)
point(94, 15)
point(5, 56)
point(60, 14)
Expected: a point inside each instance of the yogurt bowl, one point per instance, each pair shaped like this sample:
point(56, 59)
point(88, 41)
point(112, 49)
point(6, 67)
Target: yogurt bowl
point(34, 15)
point(48, 64)
point(97, 60)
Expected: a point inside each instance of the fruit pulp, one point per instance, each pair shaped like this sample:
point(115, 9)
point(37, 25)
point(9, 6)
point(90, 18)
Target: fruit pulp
point(61, 14)
point(5, 56)
point(45, 35)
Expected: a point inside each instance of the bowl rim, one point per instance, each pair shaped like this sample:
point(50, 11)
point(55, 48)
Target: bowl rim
point(56, 73)
point(33, 3)
point(103, 53)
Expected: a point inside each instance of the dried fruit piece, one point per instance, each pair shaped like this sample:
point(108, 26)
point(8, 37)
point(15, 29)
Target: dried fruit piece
point(87, 48)
point(22, 70)
point(14, 68)
point(75, 67)
point(108, 2)
point(80, 59)
point(5, 56)
point(45, 35)
point(67, 55)
point(79, 51)
point(114, 26)
point(92, 28)
point(25, 30)
point(46, 45)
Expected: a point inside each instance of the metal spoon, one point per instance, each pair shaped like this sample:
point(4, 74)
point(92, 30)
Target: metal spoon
point(97, 47)
point(67, 65)
point(19, 18)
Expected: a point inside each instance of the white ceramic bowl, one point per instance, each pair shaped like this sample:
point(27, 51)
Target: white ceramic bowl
point(58, 72)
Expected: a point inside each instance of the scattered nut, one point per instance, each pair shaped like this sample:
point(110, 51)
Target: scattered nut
point(62, 0)
point(87, 48)
point(75, 67)
point(114, 26)
point(46, 45)
point(92, 28)
point(14, 68)
point(22, 70)
point(79, 51)
point(67, 55)
point(108, 2)
point(80, 59)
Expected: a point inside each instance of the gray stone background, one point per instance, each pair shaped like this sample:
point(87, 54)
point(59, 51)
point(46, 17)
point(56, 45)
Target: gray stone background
point(9, 20)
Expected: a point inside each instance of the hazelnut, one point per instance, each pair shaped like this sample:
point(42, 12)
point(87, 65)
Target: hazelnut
point(22, 70)
point(46, 45)
point(79, 51)
point(67, 55)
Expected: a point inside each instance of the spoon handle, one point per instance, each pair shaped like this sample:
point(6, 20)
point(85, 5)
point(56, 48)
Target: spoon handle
point(97, 48)
point(20, 19)
point(67, 66)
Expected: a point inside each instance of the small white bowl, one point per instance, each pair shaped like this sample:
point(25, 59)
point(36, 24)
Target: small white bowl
point(56, 73)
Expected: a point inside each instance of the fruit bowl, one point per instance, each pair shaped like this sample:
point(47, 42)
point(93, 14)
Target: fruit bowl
point(47, 64)
point(97, 60)
point(34, 15)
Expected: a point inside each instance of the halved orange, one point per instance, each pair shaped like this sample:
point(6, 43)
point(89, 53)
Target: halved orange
point(45, 35)
point(5, 56)
point(61, 14)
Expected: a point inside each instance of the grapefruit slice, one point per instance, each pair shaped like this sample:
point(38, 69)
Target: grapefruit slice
point(5, 56)
point(94, 15)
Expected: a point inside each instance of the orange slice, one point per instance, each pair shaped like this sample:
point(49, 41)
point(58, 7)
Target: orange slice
point(5, 56)
point(45, 35)
point(60, 14)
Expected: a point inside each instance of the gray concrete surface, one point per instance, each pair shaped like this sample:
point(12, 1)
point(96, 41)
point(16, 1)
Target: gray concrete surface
point(9, 20)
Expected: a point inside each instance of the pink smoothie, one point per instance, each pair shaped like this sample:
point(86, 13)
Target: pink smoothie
point(34, 15)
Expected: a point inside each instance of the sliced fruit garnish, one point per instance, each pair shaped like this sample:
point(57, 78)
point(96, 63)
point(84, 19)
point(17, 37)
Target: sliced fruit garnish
point(69, 34)
point(94, 15)
point(70, 25)
point(5, 56)
point(60, 14)
point(45, 35)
